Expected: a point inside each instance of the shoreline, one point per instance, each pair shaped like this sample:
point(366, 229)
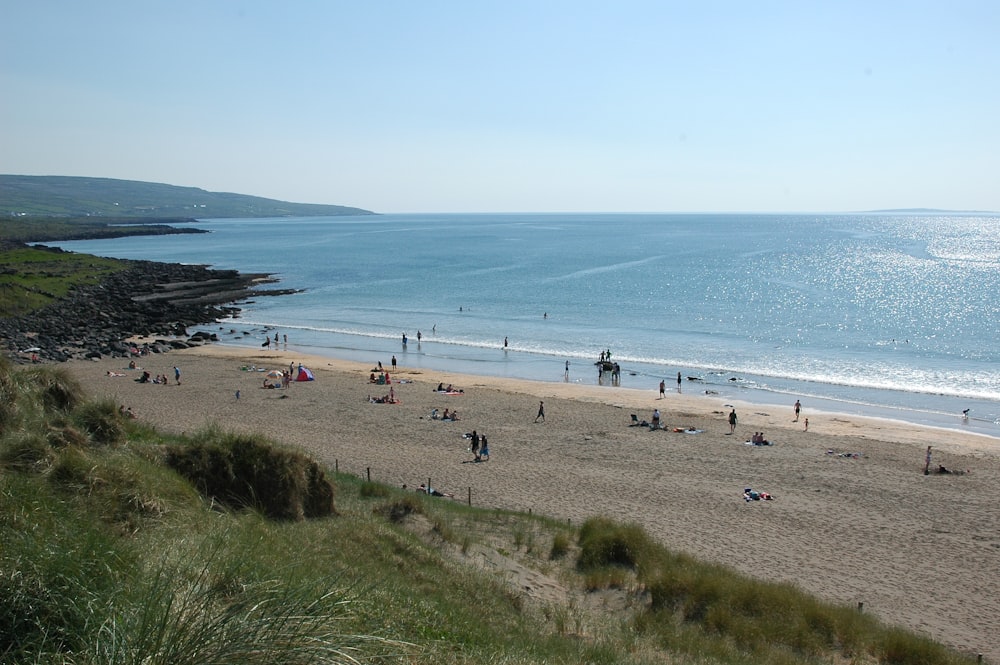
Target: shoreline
point(749, 410)
point(920, 409)
point(854, 517)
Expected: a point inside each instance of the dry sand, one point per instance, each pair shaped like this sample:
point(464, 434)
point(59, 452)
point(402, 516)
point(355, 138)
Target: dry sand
point(919, 551)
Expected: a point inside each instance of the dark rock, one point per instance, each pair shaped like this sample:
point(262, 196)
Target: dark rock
point(146, 299)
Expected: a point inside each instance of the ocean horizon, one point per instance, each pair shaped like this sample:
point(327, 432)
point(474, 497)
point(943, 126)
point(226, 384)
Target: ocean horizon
point(883, 315)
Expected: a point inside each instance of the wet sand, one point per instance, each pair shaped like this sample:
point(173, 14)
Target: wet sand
point(854, 518)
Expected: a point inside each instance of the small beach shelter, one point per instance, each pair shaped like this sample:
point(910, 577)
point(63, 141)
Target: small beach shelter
point(275, 374)
point(304, 374)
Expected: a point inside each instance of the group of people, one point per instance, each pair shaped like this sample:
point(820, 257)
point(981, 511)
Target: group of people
point(449, 389)
point(385, 399)
point(146, 377)
point(663, 386)
point(479, 447)
point(447, 415)
point(616, 372)
point(758, 439)
point(267, 342)
point(382, 379)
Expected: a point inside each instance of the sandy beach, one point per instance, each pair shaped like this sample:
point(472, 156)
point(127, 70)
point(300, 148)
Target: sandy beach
point(854, 519)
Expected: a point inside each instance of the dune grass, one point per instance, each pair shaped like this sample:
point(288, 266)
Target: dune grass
point(109, 554)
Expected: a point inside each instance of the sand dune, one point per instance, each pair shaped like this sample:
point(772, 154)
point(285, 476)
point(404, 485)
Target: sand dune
point(920, 551)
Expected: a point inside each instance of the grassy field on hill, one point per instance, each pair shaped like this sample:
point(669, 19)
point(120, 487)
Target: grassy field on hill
point(122, 545)
point(32, 278)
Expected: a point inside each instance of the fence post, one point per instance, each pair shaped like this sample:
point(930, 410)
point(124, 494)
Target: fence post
point(369, 470)
point(861, 606)
point(470, 496)
point(336, 466)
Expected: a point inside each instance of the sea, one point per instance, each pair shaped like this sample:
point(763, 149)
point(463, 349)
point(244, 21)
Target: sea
point(891, 315)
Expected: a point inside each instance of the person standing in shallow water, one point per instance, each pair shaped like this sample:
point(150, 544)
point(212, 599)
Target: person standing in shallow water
point(678, 382)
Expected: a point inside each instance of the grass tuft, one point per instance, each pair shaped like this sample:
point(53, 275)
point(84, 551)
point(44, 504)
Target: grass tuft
point(247, 471)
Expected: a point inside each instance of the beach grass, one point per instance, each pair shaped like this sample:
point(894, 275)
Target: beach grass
point(111, 555)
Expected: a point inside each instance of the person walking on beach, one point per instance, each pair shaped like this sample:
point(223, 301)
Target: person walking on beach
point(475, 445)
point(541, 412)
point(177, 374)
point(798, 407)
point(394, 364)
point(732, 421)
point(663, 389)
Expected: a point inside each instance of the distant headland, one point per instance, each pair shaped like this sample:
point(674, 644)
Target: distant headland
point(73, 196)
point(931, 211)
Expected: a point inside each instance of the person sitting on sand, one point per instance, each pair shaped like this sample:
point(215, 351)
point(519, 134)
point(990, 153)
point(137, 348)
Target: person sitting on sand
point(656, 419)
point(440, 388)
point(434, 414)
point(446, 415)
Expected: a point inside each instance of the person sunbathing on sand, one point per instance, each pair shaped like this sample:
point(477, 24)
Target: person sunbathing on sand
point(750, 494)
point(434, 492)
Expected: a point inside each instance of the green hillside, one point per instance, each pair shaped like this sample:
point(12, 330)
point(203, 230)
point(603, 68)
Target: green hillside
point(107, 197)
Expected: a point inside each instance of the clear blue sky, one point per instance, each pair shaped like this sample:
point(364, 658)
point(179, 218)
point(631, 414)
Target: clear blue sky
point(467, 105)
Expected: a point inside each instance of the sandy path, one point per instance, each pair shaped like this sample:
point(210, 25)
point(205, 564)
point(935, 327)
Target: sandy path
point(921, 551)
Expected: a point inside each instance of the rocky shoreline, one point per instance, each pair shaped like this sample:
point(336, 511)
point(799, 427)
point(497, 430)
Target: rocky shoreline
point(149, 299)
